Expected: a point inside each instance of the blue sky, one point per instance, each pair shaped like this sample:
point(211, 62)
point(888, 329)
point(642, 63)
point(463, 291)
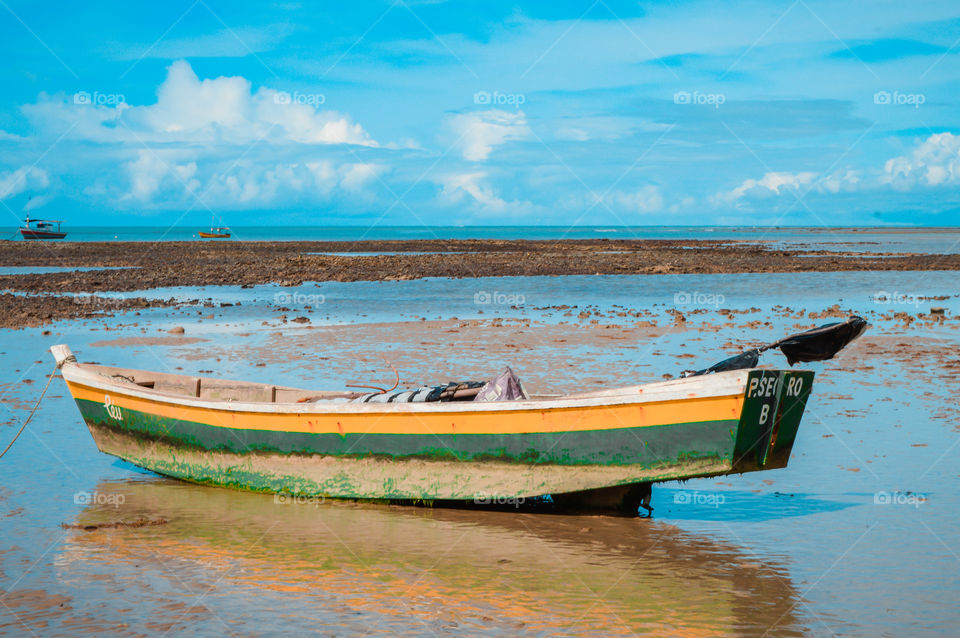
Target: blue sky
point(442, 113)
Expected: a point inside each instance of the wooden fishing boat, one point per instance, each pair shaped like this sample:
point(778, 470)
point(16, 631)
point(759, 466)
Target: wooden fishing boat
point(220, 232)
point(600, 447)
point(41, 229)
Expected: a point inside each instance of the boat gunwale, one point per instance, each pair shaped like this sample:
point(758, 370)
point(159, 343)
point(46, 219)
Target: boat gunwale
point(718, 385)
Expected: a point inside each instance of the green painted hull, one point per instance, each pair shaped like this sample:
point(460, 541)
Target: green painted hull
point(645, 446)
point(462, 466)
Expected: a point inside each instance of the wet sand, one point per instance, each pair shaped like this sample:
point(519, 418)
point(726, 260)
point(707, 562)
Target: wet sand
point(23, 311)
point(806, 550)
point(249, 263)
point(145, 266)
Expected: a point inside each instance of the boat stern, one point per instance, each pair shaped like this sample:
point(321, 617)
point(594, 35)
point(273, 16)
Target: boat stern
point(774, 401)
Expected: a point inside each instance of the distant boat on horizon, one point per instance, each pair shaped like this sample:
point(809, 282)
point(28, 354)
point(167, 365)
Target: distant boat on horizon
point(220, 232)
point(41, 229)
point(216, 232)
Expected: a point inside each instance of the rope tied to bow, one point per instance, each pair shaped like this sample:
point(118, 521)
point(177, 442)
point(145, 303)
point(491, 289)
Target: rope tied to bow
point(70, 359)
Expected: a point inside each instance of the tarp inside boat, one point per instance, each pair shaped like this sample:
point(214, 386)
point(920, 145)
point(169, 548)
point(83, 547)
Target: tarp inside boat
point(504, 387)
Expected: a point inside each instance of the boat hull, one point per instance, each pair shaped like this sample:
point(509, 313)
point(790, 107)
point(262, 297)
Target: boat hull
point(448, 451)
point(41, 234)
point(214, 235)
point(382, 477)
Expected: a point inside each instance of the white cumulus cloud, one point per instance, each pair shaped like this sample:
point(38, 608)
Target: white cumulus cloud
point(6, 136)
point(623, 204)
point(842, 181)
point(150, 171)
point(472, 190)
point(356, 176)
point(191, 110)
point(770, 184)
point(166, 180)
point(478, 133)
point(934, 162)
point(646, 199)
point(217, 139)
point(22, 179)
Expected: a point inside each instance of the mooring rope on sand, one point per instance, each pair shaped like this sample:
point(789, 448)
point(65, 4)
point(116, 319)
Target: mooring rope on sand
point(37, 405)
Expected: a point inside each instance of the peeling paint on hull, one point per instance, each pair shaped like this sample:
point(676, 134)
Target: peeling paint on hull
point(375, 477)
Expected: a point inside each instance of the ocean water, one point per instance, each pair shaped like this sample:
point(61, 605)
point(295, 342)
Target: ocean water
point(940, 241)
point(858, 536)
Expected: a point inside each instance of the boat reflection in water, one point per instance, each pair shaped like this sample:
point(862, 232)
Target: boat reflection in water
point(216, 560)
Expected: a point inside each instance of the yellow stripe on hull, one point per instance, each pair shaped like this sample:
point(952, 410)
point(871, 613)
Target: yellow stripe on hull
point(567, 419)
